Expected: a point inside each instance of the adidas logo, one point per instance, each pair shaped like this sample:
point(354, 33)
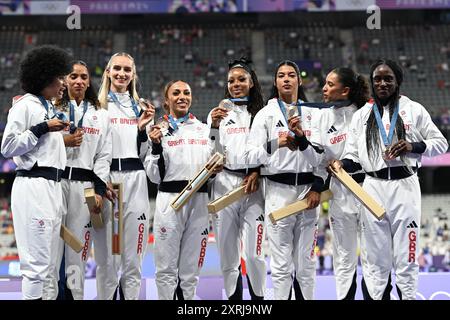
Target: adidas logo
point(332, 129)
point(279, 124)
point(89, 225)
point(230, 122)
point(260, 218)
point(168, 134)
point(413, 224)
point(142, 217)
point(205, 232)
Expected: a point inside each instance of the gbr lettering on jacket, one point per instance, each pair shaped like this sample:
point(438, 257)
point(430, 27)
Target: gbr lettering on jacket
point(283, 133)
point(126, 121)
point(238, 130)
point(87, 130)
point(338, 139)
point(407, 126)
point(182, 141)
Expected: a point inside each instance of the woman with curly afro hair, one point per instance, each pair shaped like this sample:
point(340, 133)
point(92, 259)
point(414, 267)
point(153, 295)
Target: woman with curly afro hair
point(32, 136)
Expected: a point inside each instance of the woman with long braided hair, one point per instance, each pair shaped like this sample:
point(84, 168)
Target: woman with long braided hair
point(387, 139)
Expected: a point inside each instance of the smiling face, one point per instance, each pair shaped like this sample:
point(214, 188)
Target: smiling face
point(333, 90)
point(78, 81)
point(121, 73)
point(384, 82)
point(287, 81)
point(179, 98)
point(55, 90)
point(239, 83)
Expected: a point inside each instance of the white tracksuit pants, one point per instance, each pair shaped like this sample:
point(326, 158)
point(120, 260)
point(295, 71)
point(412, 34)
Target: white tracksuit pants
point(76, 218)
point(136, 210)
point(392, 242)
point(292, 241)
point(180, 244)
point(36, 207)
point(344, 222)
point(240, 223)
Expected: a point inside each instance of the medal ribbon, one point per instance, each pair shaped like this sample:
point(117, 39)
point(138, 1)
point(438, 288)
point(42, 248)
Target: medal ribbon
point(387, 140)
point(117, 102)
point(174, 122)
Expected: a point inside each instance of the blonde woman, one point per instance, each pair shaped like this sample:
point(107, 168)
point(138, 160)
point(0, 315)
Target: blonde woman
point(128, 125)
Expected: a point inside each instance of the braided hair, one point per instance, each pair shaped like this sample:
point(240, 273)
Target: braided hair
point(255, 99)
point(372, 130)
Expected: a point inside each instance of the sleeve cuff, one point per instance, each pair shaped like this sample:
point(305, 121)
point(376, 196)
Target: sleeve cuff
point(256, 169)
point(99, 186)
point(317, 185)
point(213, 133)
point(302, 142)
point(418, 147)
point(157, 148)
point(142, 135)
point(350, 166)
point(40, 129)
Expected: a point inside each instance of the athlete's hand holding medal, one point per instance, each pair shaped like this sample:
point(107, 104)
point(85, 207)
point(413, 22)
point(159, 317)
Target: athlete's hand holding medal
point(159, 129)
point(220, 112)
point(294, 124)
point(397, 149)
point(147, 115)
point(392, 150)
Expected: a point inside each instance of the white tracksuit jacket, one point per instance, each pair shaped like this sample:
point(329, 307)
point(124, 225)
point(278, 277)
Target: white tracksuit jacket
point(180, 237)
point(126, 144)
point(293, 239)
point(36, 202)
point(241, 223)
point(94, 154)
point(330, 132)
point(393, 241)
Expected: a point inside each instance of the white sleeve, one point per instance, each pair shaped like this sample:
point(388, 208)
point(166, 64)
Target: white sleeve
point(209, 119)
point(214, 136)
point(144, 145)
point(351, 145)
point(432, 137)
point(17, 138)
point(315, 156)
point(151, 164)
point(255, 153)
point(212, 144)
point(321, 172)
point(103, 155)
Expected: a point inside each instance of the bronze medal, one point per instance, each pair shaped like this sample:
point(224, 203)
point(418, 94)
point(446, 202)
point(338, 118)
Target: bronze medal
point(143, 103)
point(227, 104)
point(292, 111)
point(386, 153)
point(163, 124)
